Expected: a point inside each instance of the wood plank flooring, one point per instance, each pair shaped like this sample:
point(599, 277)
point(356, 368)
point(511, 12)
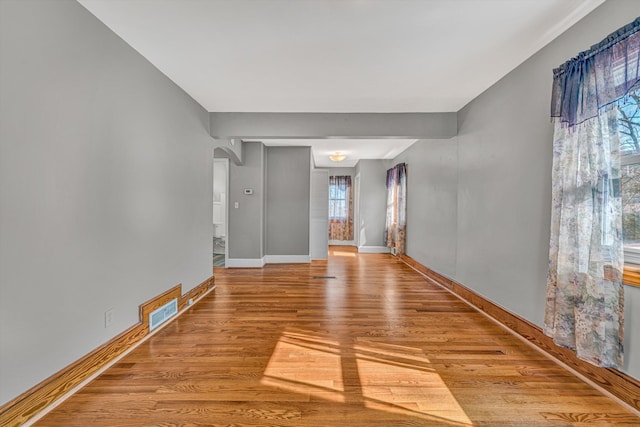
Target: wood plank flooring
point(360, 340)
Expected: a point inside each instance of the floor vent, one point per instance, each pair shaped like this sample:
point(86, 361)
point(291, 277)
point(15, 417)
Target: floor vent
point(323, 277)
point(160, 315)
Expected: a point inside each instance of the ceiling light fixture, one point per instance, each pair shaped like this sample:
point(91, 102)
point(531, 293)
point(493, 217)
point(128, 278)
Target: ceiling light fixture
point(337, 157)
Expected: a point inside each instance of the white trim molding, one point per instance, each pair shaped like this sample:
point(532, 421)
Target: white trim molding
point(286, 259)
point(244, 263)
point(374, 250)
point(631, 255)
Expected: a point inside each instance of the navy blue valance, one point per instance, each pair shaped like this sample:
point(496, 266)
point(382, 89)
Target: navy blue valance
point(597, 78)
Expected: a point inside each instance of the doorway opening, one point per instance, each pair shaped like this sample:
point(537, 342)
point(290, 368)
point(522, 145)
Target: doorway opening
point(220, 226)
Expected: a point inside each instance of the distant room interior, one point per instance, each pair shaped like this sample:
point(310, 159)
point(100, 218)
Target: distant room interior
point(224, 212)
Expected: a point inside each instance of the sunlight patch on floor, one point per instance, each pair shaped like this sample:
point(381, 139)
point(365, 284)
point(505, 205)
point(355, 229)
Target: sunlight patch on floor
point(412, 388)
point(383, 377)
point(340, 253)
point(308, 365)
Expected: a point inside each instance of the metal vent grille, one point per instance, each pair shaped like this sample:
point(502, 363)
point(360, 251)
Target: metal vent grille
point(160, 315)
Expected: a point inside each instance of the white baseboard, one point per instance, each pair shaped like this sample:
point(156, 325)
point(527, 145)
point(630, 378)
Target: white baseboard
point(374, 250)
point(285, 259)
point(244, 262)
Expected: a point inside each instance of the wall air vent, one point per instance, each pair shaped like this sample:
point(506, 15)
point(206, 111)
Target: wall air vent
point(160, 315)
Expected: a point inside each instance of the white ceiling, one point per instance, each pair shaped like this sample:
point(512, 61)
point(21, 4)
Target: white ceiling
point(337, 55)
point(354, 149)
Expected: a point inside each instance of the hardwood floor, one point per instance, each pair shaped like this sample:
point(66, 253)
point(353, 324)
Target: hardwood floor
point(360, 340)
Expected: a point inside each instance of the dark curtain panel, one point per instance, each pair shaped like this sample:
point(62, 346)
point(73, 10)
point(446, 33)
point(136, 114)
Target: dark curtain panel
point(396, 222)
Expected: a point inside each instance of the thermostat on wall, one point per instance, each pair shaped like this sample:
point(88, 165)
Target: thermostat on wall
point(248, 191)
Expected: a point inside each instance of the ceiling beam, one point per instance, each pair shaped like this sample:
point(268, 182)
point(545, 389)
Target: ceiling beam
point(333, 125)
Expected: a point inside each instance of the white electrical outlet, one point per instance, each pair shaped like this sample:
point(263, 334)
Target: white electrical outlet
point(190, 301)
point(108, 317)
point(236, 205)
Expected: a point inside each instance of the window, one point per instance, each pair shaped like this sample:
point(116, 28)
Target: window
point(340, 208)
point(338, 200)
point(629, 121)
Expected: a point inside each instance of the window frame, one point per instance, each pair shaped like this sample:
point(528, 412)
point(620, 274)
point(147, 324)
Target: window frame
point(631, 274)
point(343, 200)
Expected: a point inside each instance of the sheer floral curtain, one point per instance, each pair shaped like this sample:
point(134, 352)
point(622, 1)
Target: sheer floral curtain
point(584, 309)
point(396, 222)
point(340, 208)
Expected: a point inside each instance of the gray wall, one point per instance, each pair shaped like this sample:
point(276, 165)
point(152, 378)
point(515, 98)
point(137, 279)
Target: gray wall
point(373, 202)
point(503, 188)
point(246, 222)
point(432, 205)
point(287, 213)
point(105, 172)
point(319, 210)
point(342, 172)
